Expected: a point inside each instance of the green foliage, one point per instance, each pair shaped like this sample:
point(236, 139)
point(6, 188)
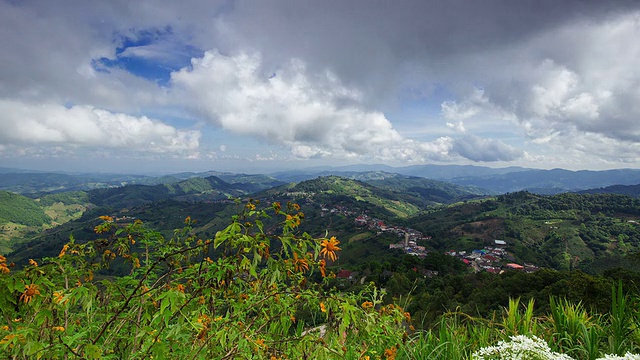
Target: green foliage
point(254, 299)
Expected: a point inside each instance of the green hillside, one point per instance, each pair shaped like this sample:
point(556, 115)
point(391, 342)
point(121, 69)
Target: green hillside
point(21, 210)
point(358, 195)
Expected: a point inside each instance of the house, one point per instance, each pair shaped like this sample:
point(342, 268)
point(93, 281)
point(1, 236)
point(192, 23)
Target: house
point(515, 266)
point(500, 242)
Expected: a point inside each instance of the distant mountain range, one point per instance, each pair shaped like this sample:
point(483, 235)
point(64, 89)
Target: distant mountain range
point(484, 180)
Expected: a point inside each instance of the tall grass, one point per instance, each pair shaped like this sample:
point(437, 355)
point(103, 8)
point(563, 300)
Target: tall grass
point(568, 329)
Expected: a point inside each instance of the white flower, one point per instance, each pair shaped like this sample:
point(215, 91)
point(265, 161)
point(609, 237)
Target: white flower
point(519, 348)
point(627, 356)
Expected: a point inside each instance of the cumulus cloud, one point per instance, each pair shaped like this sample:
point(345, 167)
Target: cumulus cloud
point(86, 126)
point(315, 116)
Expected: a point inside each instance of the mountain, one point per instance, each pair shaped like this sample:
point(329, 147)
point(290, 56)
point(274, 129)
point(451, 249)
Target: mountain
point(193, 189)
point(551, 181)
point(494, 180)
point(435, 172)
point(40, 182)
point(433, 191)
point(630, 190)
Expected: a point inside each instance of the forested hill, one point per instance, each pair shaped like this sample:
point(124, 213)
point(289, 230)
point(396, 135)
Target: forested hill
point(630, 190)
point(560, 231)
point(203, 189)
point(430, 190)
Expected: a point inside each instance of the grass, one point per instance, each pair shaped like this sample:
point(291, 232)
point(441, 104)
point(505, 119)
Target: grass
point(569, 329)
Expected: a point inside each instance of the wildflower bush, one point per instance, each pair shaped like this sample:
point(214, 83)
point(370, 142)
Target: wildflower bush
point(247, 293)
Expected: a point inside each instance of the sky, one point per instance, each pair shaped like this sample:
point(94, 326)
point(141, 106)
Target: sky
point(265, 85)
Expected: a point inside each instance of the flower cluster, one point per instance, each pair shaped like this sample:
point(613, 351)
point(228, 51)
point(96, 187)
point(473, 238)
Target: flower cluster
point(524, 348)
point(627, 356)
point(519, 348)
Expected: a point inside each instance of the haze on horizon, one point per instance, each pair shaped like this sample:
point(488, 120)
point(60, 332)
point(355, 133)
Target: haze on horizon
point(159, 86)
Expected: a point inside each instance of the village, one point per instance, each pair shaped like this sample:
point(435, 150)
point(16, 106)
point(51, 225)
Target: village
point(493, 259)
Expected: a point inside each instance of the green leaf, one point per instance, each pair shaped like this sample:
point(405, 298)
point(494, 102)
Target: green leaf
point(92, 351)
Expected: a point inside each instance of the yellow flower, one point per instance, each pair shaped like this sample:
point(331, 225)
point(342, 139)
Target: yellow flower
point(30, 291)
point(33, 263)
point(106, 218)
point(3, 268)
point(5, 327)
point(329, 248)
point(58, 328)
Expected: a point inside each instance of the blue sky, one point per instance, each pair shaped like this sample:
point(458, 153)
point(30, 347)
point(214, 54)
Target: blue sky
point(156, 86)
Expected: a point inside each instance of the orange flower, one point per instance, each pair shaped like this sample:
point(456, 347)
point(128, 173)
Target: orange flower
point(367, 305)
point(300, 264)
point(64, 250)
point(323, 267)
point(3, 268)
point(30, 291)
point(106, 218)
point(329, 248)
point(390, 354)
point(58, 296)
point(407, 315)
point(323, 308)
point(33, 263)
point(276, 206)
point(109, 255)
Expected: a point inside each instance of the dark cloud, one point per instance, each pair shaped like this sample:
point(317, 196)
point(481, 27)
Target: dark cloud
point(557, 70)
point(477, 149)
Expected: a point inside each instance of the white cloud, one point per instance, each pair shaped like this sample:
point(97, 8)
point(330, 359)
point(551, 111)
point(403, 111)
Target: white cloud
point(86, 126)
point(313, 115)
